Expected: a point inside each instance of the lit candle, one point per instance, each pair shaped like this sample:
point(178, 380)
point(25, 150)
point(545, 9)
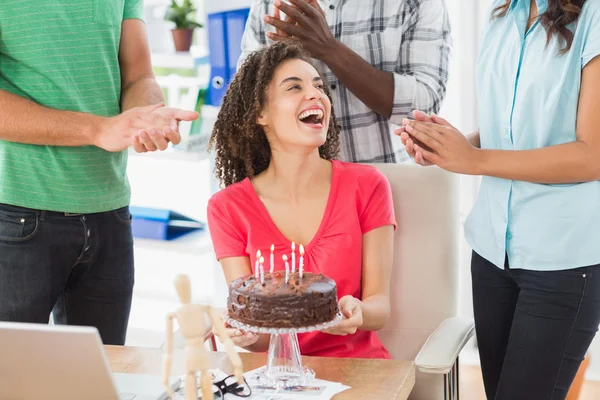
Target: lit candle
point(301, 261)
point(293, 257)
point(262, 270)
point(287, 268)
point(272, 259)
point(256, 272)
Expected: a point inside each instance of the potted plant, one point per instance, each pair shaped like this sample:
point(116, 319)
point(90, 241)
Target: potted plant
point(184, 24)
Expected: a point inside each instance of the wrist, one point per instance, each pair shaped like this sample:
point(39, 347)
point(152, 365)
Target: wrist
point(480, 161)
point(331, 51)
point(93, 129)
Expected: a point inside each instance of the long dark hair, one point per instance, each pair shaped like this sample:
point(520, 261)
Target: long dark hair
point(559, 14)
point(241, 146)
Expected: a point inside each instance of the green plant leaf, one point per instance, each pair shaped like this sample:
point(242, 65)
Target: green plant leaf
point(171, 15)
point(179, 14)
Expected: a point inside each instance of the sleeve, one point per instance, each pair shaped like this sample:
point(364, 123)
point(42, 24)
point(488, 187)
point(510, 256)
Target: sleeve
point(379, 208)
point(591, 47)
point(134, 9)
point(226, 239)
point(422, 72)
point(254, 36)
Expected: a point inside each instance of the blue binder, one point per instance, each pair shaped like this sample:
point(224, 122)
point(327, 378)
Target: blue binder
point(161, 224)
point(235, 26)
point(225, 31)
point(218, 60)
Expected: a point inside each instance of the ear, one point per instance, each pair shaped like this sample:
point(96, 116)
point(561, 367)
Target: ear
point(261, 119)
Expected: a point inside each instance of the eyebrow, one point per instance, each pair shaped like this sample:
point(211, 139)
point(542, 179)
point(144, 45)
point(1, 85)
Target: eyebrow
point(296, 79)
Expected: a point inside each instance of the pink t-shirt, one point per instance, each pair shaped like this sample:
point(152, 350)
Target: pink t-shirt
point(360, 200)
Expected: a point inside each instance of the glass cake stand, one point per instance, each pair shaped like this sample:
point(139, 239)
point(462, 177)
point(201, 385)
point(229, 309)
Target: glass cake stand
point(284, 365)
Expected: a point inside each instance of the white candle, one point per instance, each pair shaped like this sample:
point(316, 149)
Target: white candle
point(272, 260)
point(293, 257)
point(262, 270)
point(287, 268)
point(256, 272)
point(301, 261)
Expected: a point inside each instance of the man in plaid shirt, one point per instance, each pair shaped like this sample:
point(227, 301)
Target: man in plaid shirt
point(382, 59)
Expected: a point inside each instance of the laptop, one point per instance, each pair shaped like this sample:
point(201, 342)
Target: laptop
point(39, 361)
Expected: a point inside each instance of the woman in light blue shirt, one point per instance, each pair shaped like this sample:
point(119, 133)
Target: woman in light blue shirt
point(535, 228)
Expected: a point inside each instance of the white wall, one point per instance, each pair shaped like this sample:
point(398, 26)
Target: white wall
point(460, 109)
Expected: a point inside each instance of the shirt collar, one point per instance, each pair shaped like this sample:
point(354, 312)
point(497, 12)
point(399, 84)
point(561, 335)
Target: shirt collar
point(542, 5)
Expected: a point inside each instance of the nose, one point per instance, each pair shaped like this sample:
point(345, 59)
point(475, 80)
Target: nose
point(313, 93)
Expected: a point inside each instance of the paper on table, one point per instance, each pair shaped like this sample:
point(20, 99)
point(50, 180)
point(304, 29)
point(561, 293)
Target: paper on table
point(318, 390)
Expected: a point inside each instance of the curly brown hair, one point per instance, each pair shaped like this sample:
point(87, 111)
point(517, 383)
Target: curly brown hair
point(241, 145)
point(559, 14)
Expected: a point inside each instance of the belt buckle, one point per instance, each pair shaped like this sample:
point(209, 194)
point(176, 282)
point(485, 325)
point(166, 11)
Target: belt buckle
point(67, 214)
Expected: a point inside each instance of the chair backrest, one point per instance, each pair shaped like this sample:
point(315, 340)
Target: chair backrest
point(424, 289)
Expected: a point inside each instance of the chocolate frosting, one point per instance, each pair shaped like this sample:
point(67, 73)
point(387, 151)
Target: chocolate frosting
point(305, 301)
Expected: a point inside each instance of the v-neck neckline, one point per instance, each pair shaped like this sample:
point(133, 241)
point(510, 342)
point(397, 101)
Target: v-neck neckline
point(522, 19)
point(324, 221)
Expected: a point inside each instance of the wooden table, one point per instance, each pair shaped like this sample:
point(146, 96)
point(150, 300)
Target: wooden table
point(369, 379)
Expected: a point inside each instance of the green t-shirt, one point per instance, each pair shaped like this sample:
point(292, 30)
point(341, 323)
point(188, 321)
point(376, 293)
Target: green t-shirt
point(63, 54)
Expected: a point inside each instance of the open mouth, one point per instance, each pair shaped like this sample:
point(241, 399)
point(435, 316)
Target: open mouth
point(312, 117)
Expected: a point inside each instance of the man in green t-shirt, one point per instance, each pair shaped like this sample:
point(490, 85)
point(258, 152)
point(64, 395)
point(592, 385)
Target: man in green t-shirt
point(76, 91)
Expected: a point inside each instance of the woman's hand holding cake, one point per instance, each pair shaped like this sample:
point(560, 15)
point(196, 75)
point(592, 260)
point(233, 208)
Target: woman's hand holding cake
point(351, 310)
point(238, 337)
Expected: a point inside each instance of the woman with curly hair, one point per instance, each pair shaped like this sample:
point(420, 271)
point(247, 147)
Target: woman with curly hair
point(535, 228)
point(276, 140)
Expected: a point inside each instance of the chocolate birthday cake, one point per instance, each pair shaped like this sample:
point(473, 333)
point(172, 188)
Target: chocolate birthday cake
point(300, 302)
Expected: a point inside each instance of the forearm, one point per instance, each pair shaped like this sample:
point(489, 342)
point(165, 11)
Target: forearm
point(143, 92)
point(373, 87)
point(566, 163)
point(24, 121)
point(375, 312)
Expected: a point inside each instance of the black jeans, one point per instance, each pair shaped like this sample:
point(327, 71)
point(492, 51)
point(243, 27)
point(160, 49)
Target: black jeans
point(79, 267)
point(533, 328)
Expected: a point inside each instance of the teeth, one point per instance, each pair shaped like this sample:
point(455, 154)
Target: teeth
point(307, 113)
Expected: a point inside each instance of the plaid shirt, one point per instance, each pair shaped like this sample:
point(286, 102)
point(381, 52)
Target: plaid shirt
point(409, 38)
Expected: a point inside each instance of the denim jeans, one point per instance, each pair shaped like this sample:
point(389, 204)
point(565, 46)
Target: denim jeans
point(533, 327)
point(79, 267)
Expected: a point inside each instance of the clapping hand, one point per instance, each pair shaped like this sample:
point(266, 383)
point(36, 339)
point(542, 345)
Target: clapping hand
point(279, 34)
point(162, 127)
point(147, 128)
point(409, 142)
point(305, 22)
point(432, 140)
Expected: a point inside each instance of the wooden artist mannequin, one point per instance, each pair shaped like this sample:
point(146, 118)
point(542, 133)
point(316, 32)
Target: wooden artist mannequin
point(191, 322)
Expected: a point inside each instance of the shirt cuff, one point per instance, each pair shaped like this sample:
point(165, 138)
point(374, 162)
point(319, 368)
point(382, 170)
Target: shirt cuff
point(134, 9)
point(405, 87)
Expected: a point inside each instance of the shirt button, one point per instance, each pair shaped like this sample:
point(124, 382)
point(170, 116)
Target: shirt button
point(333, 87)
point(508, 235)
point(331, 7)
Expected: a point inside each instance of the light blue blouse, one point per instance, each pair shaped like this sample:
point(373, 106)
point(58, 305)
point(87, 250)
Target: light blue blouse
point(527, 96)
